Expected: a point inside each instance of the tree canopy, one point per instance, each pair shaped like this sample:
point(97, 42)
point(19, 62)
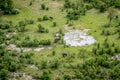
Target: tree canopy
point(6, 6)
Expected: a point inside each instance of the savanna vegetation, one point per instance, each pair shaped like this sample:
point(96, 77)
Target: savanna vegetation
point(32, 45)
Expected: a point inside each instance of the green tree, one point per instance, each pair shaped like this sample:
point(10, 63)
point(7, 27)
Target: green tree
point(46, 75)
point(22, 25)
point(111, 15)
point(43, 7)
point(6, 6)
point(4, 74)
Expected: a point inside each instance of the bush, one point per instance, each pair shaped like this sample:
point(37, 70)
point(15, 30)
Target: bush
point(30, 4)
point(29, 43)
point(119, 35)
point(67, 4)
point(45, 42)
point(13, 67)
point(21, 27)
point(45, 76)
point(42, 29)
point(43, 7)
point(15, 11)
point(73, 15)
point(43, 64)
point(53, 52)
point(4, 74)
point(45, 17)
point(22, 23)
point(67, 77)
point(4, 26)
point(102, 8)
point(55, 64)
point(30, 21)
point(39, 19)
point(6, 6)
point(54, 24)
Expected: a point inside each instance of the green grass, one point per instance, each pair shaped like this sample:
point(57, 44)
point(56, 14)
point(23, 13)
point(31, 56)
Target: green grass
point(93, 20)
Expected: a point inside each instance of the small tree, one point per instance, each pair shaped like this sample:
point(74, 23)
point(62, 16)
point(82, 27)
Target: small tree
point(30, 3)
point(45, 17)
point(6, 6)
point(43, 7)
point(44, 64)
point(54, 24)
point(45, 76)
point(3, 74)
point(22, 25)
point(112, 14)
point(1, 13)
point(67, 77)
point(41, 28)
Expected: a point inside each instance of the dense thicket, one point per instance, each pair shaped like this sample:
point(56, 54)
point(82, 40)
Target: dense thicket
point(105, 3)
point(10, 61)
point(6, 6)
point(79, 7)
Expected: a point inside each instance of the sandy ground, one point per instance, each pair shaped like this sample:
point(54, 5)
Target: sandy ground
point(20, 76)
point(15, 48)
point(116, 57)
point(78, 38)
point(9, 35)
point(25, 49)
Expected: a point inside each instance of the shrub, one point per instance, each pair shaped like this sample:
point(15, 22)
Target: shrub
point(45, 76)
point(102, 8)
point(54, 24)
point(30, 3)
point(39, 19)
point(22, 23)
point(47, 8)
point(43, 7)
point(45, 17)
point(13, 67)
point(55, 64)
point(73, 15)
point(42, 29)
point(78, 75)
point(67, 77)
point(67, 4)
point(6, 6)
point(53, 52)
point(4, 74)
point(43, 64)
point(4, 26)
point(15, 11)
point(29, 43)
point(30, 21)
point(119, 35)
point(45, 42)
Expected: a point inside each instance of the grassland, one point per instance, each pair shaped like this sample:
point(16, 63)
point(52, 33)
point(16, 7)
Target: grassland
point(93, 20)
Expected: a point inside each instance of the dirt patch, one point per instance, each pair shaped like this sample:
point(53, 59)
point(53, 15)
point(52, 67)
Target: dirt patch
point(78, 38)
point(116, 57)
point(50, 47)
point(9, 35)
point(56, 4)
point(18, 49)
point(20, 76)
point(13, 47)
point(33, 67)
point(38, 49)
point(26, 49)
